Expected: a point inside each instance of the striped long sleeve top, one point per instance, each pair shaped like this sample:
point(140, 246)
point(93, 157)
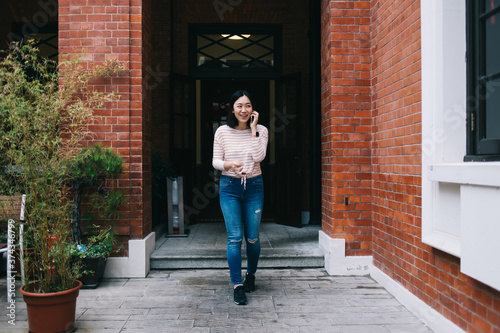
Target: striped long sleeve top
point(239, 145)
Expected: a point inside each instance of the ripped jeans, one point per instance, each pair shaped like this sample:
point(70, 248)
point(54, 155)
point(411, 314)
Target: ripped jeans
point(242, 209)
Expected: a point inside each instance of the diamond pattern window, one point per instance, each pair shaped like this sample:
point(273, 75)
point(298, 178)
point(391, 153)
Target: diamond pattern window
point(226, 51)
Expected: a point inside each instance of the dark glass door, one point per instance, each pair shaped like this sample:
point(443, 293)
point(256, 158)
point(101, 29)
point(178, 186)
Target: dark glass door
point(287, 134)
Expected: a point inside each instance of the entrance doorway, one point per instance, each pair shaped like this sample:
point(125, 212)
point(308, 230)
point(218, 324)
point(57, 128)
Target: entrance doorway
point(212, 113)
point(278, 103)
point(223, 58)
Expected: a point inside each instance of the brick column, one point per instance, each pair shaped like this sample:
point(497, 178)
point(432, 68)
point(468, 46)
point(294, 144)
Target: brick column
point(346, 124)
point(105, 29)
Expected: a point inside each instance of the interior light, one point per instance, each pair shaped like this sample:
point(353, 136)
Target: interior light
point(235, 37)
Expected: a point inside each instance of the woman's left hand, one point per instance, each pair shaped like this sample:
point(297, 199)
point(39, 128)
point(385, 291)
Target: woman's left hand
point(255, 119)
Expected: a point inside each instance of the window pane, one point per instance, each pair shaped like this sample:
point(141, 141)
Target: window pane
point(492, 31)
point(215, 51)
point(493, 109)
point(487, 5)
point(47, 43)
point(203, 42)
point(235, 50)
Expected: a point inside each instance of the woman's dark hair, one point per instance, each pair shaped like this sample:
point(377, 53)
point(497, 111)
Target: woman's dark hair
point(231, 118)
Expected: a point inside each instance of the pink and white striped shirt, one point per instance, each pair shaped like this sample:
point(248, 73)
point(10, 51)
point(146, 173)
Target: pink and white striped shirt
point(239, 145)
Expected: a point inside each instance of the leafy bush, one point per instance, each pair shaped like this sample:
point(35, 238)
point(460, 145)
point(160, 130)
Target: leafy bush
point(92, 167)
point(45, 110)
point(100, 244)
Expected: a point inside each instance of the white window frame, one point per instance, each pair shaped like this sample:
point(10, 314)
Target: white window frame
point(452, 189)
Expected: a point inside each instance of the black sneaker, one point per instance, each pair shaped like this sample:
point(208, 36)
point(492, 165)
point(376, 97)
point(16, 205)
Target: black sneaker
point(249, 283)
point(239, 296)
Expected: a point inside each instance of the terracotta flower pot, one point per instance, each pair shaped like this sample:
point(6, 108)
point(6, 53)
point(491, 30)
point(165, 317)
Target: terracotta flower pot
point(51, 312)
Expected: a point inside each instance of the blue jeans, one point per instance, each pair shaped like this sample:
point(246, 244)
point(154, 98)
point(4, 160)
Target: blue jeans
point(242, 210)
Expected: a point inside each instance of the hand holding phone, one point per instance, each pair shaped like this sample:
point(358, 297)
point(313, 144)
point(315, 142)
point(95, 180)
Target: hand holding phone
point(253, 117)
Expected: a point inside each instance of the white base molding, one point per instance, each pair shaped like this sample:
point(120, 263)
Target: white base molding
point(336, 263)
point(136, 265)
point(433, 319)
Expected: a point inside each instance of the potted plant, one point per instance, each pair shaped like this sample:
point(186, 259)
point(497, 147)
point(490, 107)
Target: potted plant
point(95, 168)
point(45, 108)
point(94, 255)
point(92, 167)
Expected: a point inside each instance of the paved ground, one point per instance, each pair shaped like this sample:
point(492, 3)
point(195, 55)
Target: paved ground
point(286, 300)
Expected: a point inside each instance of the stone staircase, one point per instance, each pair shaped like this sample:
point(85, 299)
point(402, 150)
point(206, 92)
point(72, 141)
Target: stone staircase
point(205, 247)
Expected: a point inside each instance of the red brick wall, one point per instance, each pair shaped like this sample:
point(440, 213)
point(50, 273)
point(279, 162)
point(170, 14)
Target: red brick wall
point(114, 29)
point(371, 144)
point(346, 124)
point(398, 251)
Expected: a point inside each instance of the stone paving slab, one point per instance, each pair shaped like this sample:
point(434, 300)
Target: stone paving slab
point(286, 300)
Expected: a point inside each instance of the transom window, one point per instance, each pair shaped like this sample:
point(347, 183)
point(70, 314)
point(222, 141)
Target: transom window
point(483, 79)
point(226, 50)
point(45, 37)
point(235, 51)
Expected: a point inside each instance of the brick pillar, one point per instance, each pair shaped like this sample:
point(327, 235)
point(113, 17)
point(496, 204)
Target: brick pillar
point(100, 30)
point(346, 124)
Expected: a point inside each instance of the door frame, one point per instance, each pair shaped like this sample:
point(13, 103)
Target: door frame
point(315, 206)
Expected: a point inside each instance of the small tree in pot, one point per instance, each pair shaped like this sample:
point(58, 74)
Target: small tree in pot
point(45, 108)
point(93, 168)
point(94, 254)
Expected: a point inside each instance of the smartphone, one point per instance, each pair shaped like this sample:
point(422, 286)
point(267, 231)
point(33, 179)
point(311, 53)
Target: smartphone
point(251, 119)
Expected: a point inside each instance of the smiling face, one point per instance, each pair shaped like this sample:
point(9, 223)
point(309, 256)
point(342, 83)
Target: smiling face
point(242, 110)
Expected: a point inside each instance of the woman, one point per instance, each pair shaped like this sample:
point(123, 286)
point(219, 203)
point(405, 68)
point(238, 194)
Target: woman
point(239, 147)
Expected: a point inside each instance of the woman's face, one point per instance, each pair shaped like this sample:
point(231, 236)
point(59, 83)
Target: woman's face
point(242, 109)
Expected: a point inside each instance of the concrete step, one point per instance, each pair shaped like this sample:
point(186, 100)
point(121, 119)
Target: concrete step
point(204, 246)
point(216, 258)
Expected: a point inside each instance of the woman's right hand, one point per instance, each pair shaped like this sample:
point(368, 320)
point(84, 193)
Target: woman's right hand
point(234, 166)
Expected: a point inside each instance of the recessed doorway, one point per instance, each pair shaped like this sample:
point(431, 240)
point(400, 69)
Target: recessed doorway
point(223, 58)
point(211, 113)
point(278, 102)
